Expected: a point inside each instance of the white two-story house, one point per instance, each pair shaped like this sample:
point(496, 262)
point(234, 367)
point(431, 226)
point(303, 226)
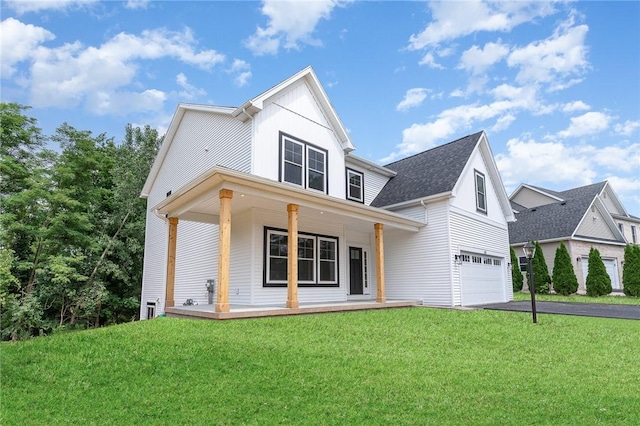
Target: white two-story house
point(269, 200)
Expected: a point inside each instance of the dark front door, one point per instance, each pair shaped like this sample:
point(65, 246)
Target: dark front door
point(355, 270)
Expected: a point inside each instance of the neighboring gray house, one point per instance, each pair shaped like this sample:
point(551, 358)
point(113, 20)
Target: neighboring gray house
point(231, 187)
point(581, 218)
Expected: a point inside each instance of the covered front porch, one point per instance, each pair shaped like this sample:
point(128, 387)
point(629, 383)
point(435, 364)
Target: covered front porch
point(221, 196)
point(245, 311)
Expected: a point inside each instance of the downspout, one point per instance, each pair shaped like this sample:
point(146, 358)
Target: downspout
point(426, 216)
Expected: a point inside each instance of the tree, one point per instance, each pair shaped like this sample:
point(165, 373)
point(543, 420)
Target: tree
point(631, 270)
point(598, 282)
point(516, 275)
point(541, 277)
point(564, 280)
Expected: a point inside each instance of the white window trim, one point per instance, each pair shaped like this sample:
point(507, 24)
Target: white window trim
point(478, 193)
point(351, 172)
point(334, 261)
point(308, 169)
point(284, 162)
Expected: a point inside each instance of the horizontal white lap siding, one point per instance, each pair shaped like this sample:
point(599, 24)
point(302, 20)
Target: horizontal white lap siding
point(477, 236)
point(241, 259)
point(278, 295)
point(203, 141)
point(195, 261)
point(417, 265)
point(154, 269)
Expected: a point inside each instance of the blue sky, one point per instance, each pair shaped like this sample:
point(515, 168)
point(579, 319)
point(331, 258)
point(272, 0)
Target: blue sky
point(556, 85)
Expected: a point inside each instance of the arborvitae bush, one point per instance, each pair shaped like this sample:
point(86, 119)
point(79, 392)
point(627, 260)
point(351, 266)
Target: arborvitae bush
point(631, 270)
point(516, 274)
point(564, 278)
point(598, 281)
point(541, 277)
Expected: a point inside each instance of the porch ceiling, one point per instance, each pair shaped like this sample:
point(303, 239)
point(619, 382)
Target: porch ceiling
point(199, 201)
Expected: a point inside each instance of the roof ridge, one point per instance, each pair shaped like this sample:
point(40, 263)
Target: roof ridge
point(434, 148)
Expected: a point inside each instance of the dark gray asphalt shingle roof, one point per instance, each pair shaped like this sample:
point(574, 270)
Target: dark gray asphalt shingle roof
point(431, 172)
point(556, 220)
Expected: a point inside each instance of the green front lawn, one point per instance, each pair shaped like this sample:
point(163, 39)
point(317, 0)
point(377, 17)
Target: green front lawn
point(388, 367)
point(579, 298)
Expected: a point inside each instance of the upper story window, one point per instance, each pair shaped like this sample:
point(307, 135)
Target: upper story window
point(634, 238)
point(621, 228)
point(355, 186)
point(481, 192)
point(302, 164)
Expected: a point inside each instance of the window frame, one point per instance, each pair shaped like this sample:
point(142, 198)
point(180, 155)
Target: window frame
point(305, 167)
point(316, 282)
point(634, 237)
point(480, 194)
point(350, 172)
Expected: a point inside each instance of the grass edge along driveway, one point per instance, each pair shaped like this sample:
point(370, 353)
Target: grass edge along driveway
point(397, 366)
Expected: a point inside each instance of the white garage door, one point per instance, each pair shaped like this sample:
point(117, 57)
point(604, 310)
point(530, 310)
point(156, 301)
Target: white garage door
point(612, 270)
point(481, 279)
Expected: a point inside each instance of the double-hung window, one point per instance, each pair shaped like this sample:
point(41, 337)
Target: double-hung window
point(481, 192)
point(355, 186)
point(302, 164)
point(317, 259)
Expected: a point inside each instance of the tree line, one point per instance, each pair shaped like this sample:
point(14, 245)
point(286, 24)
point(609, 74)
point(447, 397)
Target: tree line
point(72, 225)
point(564, 280)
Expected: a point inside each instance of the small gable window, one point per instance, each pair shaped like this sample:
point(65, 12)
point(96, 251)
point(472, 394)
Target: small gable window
point(355, 186)
point(481, 192)
point(302, 164)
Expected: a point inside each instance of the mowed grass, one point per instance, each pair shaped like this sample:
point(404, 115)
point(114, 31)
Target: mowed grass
point(579, 298)
point(388, 367)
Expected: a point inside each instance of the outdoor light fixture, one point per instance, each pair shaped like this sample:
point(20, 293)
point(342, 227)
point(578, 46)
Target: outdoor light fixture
point(529, 251)
point(458, 259)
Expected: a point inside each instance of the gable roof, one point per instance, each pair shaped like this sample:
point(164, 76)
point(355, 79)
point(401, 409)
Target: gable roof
point(432, 172)
point(252, 106)
point(557, 220)
point(247, 110)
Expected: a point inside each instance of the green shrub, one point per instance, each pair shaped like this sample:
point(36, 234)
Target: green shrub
point(541, 277)
point(598, 281)
point(631, 270)
point(516, 275)
point(564, 278)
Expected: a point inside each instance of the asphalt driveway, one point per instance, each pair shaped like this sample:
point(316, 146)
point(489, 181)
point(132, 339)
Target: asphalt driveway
point(581, 309)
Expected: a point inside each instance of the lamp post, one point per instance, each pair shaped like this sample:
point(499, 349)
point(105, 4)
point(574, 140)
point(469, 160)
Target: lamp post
point(529, 251)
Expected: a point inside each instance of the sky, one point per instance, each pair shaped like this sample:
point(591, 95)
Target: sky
point(555, 85)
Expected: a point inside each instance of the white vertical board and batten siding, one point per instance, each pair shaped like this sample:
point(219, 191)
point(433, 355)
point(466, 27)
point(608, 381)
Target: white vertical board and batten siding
point(296, 113)
point(202, 141)
point(417, 265)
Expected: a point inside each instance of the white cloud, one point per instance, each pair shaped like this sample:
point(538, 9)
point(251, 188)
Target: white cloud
point(587, 124)
point(532, 161)
point(503, 122)
point(429, 60)
point(291, 23)
point(453, 19)
point(413, 98)
point(562, 55)
point(242, 71)
point(137, 4)
point(575, 106)
point(627, 128)
point(188, 91)
point(476, 60)
point(18, 42)
point(625, 158)
point(25, 6)
point(72, 74)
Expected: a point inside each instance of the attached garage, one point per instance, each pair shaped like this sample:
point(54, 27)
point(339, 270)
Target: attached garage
point(612, 269)
point(481, 279)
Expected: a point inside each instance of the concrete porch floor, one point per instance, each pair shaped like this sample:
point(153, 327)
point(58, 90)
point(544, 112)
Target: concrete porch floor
point(243, 311)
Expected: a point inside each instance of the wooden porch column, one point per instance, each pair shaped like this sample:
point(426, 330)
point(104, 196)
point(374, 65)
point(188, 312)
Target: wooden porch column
point(380, 295)
point(169, 297)
point(224, 251)
point(292, 257)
